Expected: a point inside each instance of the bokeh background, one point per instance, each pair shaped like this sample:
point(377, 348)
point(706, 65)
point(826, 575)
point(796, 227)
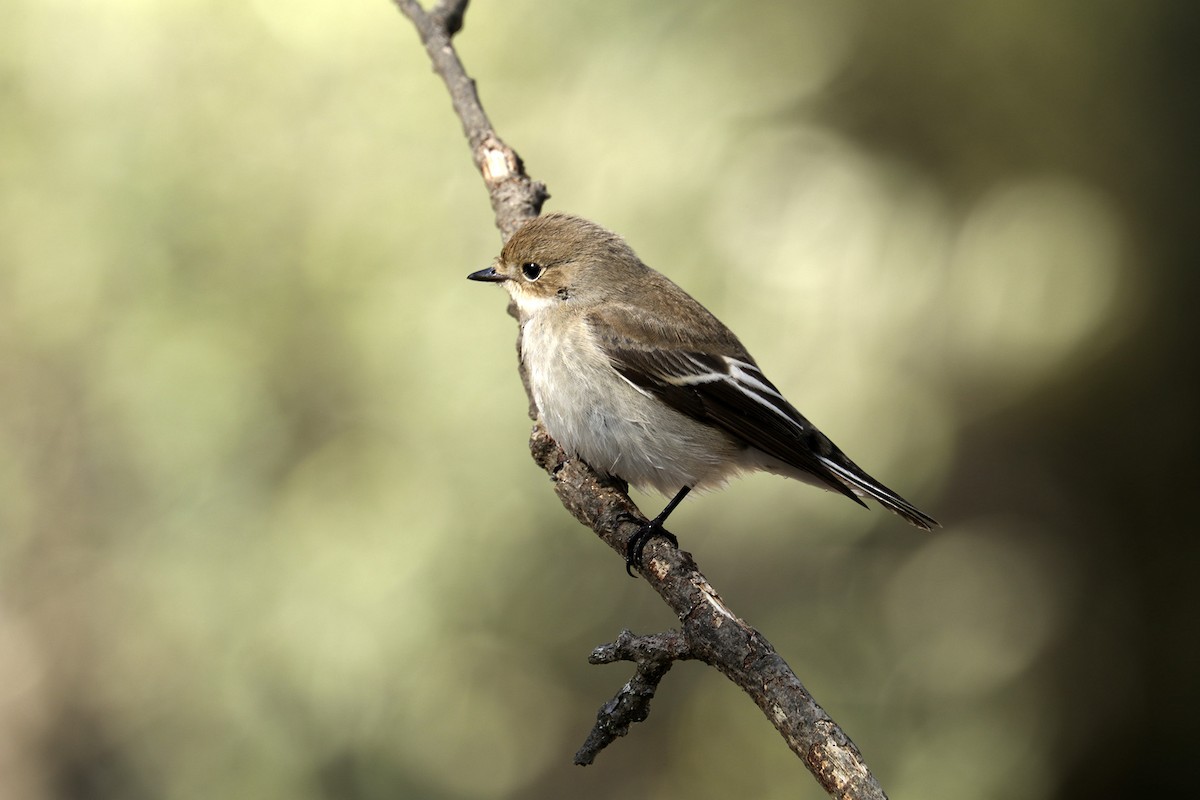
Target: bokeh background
point(268, 526)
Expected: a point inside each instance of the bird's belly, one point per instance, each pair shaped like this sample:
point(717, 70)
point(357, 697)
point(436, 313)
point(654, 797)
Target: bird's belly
point(592, 412)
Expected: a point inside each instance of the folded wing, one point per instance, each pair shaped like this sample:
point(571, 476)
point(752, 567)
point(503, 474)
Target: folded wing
point(715, 381)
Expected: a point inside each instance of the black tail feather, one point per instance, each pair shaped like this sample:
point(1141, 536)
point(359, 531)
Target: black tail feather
point(860, 483)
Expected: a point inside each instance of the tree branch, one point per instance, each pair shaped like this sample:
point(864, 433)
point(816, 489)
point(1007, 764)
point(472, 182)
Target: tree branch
point(711, 632)
point(515, 198)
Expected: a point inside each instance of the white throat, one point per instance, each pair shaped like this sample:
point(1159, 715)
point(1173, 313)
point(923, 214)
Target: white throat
point(529, 303)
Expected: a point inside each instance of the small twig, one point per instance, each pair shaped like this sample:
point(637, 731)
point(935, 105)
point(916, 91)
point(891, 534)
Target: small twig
point(653, 656)
point(711, 632)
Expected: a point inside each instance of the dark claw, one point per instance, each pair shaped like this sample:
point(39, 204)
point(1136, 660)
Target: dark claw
point(637, 544)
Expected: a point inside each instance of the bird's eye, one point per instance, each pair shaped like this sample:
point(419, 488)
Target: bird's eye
point(532, 271)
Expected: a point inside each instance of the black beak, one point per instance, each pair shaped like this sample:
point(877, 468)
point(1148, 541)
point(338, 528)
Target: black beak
point(488, 275)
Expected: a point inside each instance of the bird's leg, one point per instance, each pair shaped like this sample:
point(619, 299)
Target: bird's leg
point(637, 542)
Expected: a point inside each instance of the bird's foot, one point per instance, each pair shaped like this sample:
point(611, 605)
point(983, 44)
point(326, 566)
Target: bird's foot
point(639, 540)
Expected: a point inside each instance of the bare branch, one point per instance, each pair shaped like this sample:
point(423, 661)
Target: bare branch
point(711, 632)
point(515, 197)
point(714, 634)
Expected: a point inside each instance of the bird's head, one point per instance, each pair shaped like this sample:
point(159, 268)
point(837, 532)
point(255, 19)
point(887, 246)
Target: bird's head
point(557, 258)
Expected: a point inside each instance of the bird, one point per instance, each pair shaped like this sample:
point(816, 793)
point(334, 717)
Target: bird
point(638, 379)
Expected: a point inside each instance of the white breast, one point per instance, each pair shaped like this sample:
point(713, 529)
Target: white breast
point(592, 412)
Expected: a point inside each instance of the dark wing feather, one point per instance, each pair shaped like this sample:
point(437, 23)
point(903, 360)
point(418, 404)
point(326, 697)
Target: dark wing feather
point(703, 386)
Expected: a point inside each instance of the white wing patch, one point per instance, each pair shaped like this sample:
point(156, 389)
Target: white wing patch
point(699, 374)
point(749, 380)
point(639, 389)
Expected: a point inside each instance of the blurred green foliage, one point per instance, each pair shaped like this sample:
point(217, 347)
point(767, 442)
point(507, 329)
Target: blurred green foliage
point(268, 527)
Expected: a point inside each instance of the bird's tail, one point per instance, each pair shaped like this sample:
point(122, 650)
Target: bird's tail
point(864, 485)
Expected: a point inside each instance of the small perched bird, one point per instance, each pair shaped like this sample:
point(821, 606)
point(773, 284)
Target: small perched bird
point(635, 377)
